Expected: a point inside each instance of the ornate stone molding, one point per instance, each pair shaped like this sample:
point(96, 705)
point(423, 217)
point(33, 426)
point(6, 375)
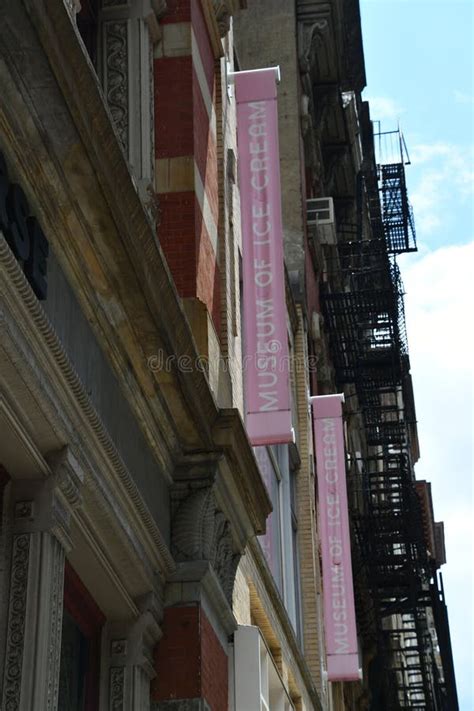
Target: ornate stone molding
point(16, 623)
point(47, 504)
point(117, 689)
point(201, 532)
point(115, 35)
point(69, 476)
point(131, 646)
point(73, 6)
point(36, 593)
point(223, 10)
point(13, 280)
point(310, 37)
point(54, 658)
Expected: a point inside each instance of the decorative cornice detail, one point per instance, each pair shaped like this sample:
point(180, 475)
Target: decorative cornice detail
point(230, 435)
point(310, 38)
point(209, 10)
point(199, 531)
point(12, 274)
point(116, 76)
point(223, 10)
point(157, 10)
point(69, 476)
point(73, 6)
point(182, 395)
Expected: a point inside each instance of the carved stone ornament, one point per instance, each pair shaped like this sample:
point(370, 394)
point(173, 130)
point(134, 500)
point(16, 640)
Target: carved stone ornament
point(223, 11)
point(310, 38)
point(24, 510)
point(68, 477)
point(116, 51)
point(73, 6)
point(16, 623)
point(160, 8)
point(37, 579)
point(54, 654)
point(199, 531)
point(118, 647)
point(117, 689)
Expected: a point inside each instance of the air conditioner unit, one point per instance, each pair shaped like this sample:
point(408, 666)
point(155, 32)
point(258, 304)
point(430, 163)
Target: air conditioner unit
point(320, 216)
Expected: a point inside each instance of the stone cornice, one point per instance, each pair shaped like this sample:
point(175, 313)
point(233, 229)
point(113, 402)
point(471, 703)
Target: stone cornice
point(26, 309)
point(229, 434)
point(218, 14)
point(210, 15)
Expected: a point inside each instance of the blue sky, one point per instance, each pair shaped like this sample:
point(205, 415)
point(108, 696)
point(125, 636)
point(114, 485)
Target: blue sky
point(419, 65)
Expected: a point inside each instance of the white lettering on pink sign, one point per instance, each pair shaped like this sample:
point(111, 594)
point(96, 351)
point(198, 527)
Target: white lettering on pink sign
point(266, 359)
point(338, 592)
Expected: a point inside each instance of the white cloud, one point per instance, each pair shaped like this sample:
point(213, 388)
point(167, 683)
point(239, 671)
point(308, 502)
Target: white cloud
point(439, 307)
point(446, 178)
point(384, 108)
point(424, 152)
point(462, 97)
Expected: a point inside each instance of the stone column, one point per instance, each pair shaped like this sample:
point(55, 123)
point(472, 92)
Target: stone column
point(128, 29)
point(130, 658)
point(40, 512)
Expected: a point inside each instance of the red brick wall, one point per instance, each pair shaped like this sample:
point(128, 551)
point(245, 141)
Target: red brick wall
point(204, 45)
point(177, 237)
point(173, 107)
point(183, 128)
point(214, 668)
point(190, 661)
point(177, 11)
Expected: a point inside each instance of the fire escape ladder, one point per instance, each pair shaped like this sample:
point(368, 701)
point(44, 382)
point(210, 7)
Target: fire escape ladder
point(362, 302)
point(397, 214)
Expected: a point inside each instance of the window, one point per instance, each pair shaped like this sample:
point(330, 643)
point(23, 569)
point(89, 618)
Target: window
point(257, 681)
point(80, 647)
point(271, 542)
point(296, 560)
point(280, 542)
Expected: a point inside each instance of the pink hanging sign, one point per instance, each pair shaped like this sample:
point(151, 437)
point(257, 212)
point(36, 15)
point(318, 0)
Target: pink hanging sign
point(266, 359)
point(338, 590)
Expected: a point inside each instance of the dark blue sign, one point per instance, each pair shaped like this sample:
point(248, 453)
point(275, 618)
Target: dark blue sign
point(23, 232)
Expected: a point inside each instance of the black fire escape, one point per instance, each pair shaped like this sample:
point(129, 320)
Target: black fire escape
point(364, 315)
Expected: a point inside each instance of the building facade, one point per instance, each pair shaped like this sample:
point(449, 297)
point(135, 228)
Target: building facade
point(155, 554)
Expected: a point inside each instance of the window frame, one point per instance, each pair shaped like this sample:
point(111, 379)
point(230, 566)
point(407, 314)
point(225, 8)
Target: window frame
point(81, 606)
